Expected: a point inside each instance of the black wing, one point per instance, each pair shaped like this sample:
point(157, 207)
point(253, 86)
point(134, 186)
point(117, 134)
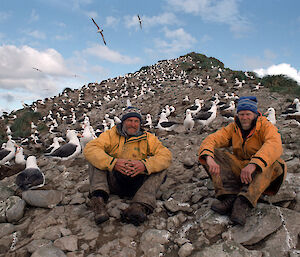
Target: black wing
point(4, 153)
point(203, 116)
point(64, 151)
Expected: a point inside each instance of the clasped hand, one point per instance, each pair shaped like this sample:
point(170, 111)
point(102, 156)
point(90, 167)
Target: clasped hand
point(129, 167)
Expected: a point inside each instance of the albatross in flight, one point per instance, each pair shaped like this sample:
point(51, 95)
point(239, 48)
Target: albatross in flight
point(140, 21)
point(99, 31)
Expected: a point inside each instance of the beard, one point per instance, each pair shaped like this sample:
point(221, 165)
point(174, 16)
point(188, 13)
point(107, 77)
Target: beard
point(130, 132)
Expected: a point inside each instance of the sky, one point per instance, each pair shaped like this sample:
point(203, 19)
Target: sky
point(47, 46)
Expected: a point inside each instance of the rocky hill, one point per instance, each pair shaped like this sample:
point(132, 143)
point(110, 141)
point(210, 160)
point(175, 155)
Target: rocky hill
point(55, 220)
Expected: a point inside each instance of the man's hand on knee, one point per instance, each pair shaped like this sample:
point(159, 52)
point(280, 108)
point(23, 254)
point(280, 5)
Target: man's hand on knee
point(214, 168)
point(246, 173)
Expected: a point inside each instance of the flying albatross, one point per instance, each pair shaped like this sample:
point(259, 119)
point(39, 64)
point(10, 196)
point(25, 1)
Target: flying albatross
point(99, 31)
point(140, 21)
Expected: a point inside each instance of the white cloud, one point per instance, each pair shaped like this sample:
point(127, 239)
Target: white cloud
point(33, 16)
point(176, 41)
point(103, 52)
point(60, 24)
point(35, 34)
point(223, 11)
point(91, 14)
point(111, 21)
point(17, 73)
point(20, 82)
point(4, 16)
point(166, 18)
point(63, 37)
point(283, 68)
point(205, 38)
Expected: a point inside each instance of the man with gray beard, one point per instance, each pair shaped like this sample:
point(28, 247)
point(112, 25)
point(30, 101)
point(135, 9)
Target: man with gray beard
point(126, 161)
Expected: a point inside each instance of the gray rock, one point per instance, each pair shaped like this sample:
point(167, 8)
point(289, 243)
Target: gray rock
point(77, 199)
point(152, 242)
point(3, 211)
point(185, 250)
point(286, 238)
point(5, 192)
point(15, 208)
point(108, 248)
point(213, 224)
point(175, 206)
point(37, 244)
point(6, 229)
point(42, 198)
point(189, 162)
point(227, 249)
point(285, 193)
point(68, 243)
point(293, 166)
point(129, 230)
point(49, 251)
point(264, 221)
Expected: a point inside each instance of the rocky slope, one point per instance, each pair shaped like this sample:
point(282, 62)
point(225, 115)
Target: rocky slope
point(56, 220)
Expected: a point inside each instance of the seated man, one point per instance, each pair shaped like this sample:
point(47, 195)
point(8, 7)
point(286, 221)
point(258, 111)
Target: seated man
point(254, 167)
point(126, 161)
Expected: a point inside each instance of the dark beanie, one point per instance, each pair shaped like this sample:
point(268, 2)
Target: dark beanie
point(131, 112)
point(247, 103)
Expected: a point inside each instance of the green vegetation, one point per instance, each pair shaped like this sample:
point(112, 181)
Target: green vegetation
point(239, 74)
point(204, 61)
point(186, 66)
point(21, 126)
point(144, 68)
point(281, 84)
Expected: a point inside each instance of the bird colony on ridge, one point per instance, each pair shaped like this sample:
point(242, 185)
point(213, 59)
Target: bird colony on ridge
point(181, 102)
point(81, 115)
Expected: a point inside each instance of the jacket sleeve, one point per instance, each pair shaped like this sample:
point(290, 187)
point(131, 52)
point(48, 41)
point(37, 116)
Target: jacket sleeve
point(159, 157)
point(221, 138)
point(96, 150)
point(271, 149)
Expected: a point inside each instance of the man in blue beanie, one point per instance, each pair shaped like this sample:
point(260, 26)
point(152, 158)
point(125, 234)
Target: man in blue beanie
point(254, 166)
point(126, 161)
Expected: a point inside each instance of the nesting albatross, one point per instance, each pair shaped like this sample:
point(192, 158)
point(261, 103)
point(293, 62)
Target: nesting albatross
point(69, 150)
point(31, 177)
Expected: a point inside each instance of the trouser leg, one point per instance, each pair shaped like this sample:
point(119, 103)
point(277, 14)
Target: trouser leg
point(146, 194)
point(261, 181)
point(142, 188)
point(98, 180)
point(228, 183)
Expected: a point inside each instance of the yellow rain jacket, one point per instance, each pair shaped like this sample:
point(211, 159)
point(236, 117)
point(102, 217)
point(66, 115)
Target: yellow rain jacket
point(103, 151)
point(262, 146)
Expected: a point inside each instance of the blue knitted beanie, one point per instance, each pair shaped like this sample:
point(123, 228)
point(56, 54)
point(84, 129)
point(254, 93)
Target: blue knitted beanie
point(131, 112)
point(247, 103)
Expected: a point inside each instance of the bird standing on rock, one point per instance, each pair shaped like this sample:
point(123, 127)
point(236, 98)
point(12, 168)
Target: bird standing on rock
point(188, 122)
point(8, 152)
point(31, 177)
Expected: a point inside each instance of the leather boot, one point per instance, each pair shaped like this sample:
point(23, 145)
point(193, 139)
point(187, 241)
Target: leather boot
point(224, 206)
point(98, 206)
point(239, 211)
point(135, 214)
